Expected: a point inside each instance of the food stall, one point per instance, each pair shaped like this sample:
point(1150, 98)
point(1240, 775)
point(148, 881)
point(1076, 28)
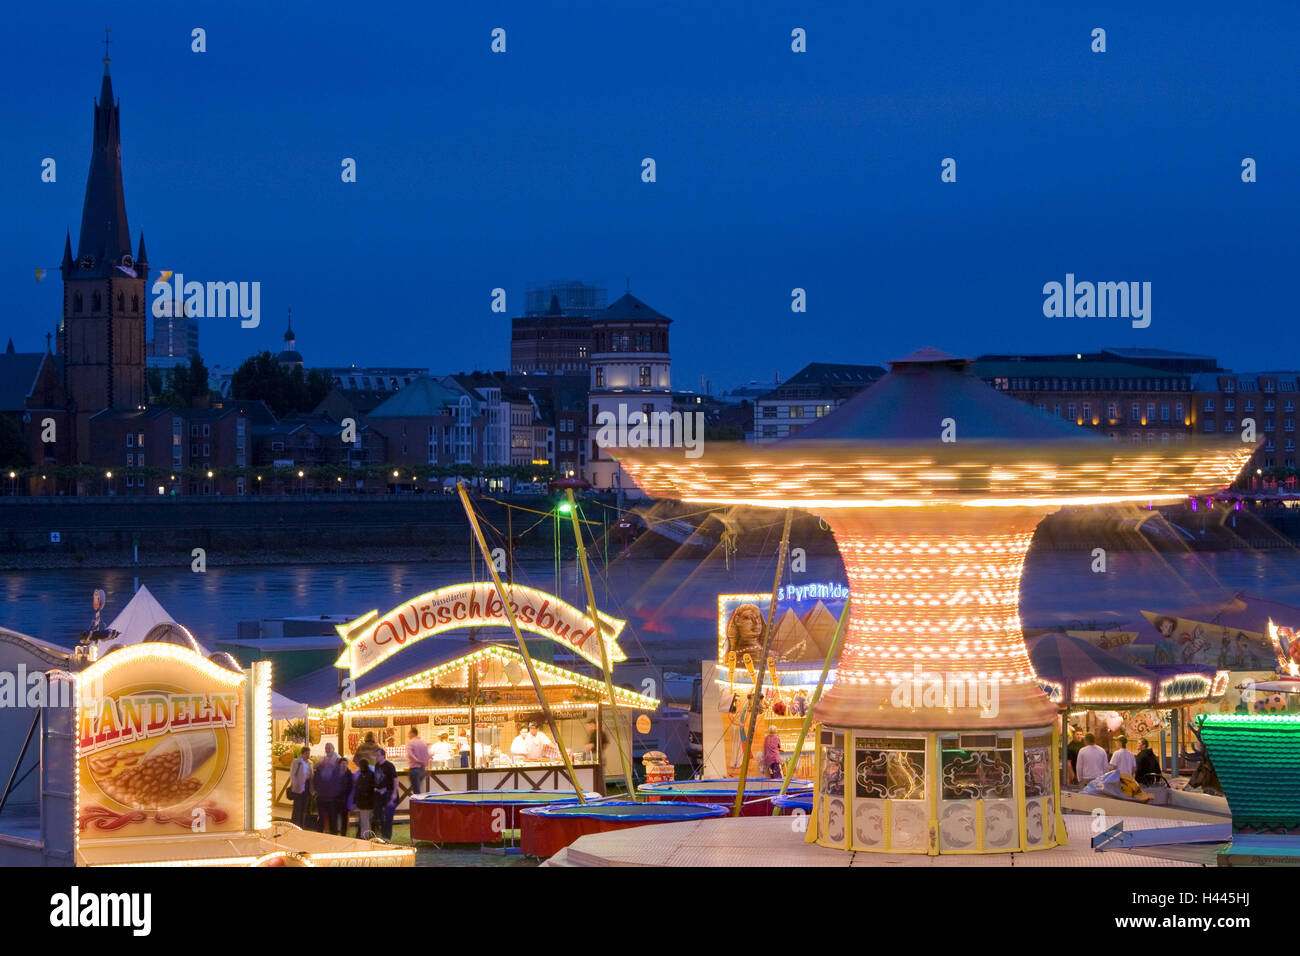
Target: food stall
point(448, 685)
point(155, 755)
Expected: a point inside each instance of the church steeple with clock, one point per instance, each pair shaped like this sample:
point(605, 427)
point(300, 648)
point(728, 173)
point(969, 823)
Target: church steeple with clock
point(102, 335)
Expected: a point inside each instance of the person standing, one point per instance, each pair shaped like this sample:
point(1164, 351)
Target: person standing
point(441, 752)
point(1072, 751)
point(417, 759)
point(367, 749)
point(345, 794)
point(538, 744)
point(772, 752)
point(1148, 767)
point(300, 786)
point(519, 746)
point(363, 793)
point(385, 794)
point(1123, 760)
point(328, 784)
point(1091, 761)
point(462, 747)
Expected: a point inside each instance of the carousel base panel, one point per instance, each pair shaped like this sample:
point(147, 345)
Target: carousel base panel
point(739, 842)
point(281, 844)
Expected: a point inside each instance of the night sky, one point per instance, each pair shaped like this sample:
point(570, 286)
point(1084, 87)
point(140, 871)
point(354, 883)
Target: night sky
point(819, 170)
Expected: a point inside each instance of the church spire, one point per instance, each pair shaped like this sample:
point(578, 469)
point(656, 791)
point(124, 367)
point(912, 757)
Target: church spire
point(105, 236)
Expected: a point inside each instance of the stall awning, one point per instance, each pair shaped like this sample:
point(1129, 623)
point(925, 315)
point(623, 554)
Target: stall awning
point(421, 662)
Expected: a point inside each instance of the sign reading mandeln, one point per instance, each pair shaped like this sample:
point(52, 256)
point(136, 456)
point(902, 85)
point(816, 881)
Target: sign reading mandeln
point(373, 638)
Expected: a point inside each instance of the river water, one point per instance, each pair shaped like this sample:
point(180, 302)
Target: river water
point(670, 606)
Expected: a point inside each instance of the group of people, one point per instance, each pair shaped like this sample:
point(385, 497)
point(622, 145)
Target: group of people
point(1089, 761)
point(371, 790)
point(531, 744)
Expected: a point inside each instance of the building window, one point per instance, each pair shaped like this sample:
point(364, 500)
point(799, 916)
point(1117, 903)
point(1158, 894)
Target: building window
point(769, 431)
point(1164, 412)
point(1250, 404)
point(207, 450)
point(1135, 437)
point(645, 376)
point(796, 411)
point(1268, 405)
point(1179, 436)
point(1135, 413)
point(1056, 409)
point(1209, 425)
point(1151, 413)
point(76, 302)
point(1290, 405)
point(96, 303)
point(1229, 404)
point(600, 378)
point(1164, 438)
point(1087, 413)
point(1178, 413)
point(823, 411)
point(1229, 425)
point(1112, 411)
point(1209, 404)
point(130, 460)
point(769, 411)
point(1072, 411)
point(130, 439)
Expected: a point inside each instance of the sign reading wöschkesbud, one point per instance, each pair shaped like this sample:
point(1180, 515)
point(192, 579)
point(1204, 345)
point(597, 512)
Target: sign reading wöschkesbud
point(373, 638)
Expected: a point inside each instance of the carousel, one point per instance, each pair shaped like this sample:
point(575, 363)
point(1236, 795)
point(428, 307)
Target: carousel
point(936, 736)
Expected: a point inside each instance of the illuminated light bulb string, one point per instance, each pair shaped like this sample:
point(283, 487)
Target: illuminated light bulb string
point(948, 605)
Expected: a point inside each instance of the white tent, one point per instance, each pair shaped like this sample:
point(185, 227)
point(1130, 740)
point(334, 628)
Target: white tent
point(282, 708)
point(143, 612)
point(135, 620)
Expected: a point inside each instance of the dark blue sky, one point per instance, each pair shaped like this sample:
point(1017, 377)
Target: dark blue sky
point(775, 170)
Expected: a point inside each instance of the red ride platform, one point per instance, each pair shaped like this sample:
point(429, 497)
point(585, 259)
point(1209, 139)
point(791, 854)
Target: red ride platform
point(477, 816)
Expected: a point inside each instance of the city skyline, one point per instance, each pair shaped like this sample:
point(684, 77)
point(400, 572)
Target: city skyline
point(820, 171)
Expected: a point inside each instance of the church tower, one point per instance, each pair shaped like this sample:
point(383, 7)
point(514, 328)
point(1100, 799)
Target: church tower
point(102, 336)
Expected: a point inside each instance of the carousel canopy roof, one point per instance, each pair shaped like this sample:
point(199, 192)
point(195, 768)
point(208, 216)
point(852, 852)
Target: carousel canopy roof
point(931, 433)
point(1085, 675)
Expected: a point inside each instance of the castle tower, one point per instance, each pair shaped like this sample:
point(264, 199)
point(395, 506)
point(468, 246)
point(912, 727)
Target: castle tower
point(631, 379)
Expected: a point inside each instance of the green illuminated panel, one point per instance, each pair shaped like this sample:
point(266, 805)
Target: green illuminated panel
point(1257, 758)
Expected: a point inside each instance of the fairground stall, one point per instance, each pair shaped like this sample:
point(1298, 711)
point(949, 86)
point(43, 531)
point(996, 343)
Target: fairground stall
point(803, 633)
point(442, 687)
point(152, 755)
point(936, 737)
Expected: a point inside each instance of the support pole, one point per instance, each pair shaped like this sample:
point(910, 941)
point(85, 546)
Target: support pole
point(605, 665)
point(519, 637)
point(817, 695)
point(762, 667)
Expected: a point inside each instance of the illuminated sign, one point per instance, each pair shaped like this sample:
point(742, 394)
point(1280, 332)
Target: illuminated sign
point(806, 619)
point(161, 745)
point(373, 638)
